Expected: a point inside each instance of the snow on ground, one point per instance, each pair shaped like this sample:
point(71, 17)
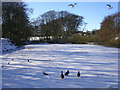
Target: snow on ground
point(6, 45)
point(98, 66)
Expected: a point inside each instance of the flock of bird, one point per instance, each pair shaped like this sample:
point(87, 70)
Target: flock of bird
point(73, 5)
point(44, 73)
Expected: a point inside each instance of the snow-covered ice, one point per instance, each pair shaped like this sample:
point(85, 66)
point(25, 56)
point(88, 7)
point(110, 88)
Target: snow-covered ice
point(98, 66)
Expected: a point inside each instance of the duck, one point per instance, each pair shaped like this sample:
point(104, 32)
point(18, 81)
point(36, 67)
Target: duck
point(67, 72)
point(8, 63)
point(44, 73)
point(62, 76)
point(28, 60)
point(13, 59)
point(78, 74)
point(2, 66)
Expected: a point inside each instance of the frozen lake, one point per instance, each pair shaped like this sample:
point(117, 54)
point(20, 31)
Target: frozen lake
point(98, 66)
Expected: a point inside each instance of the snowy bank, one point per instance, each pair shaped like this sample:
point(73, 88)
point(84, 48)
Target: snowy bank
point(6, 45)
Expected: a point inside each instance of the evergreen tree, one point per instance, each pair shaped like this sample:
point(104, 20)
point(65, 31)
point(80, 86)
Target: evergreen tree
point(15, 23)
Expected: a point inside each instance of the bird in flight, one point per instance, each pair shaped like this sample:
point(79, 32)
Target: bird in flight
point(109, 6)
point(72, 5)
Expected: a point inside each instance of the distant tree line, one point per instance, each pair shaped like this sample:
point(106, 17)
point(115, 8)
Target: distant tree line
point(58, 25)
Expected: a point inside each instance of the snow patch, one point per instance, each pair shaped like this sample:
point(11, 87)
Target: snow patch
point(6, 45)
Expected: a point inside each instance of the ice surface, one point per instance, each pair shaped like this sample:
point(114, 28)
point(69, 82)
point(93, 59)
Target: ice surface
point(98, 66)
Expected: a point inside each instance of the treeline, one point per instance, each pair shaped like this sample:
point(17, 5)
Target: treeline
point(64, 27)
point(56, 26)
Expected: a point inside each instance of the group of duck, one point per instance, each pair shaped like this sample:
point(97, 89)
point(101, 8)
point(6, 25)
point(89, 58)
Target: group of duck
point(44, 73)
point(63, 75)
point(13, 60)
point(67, 73)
